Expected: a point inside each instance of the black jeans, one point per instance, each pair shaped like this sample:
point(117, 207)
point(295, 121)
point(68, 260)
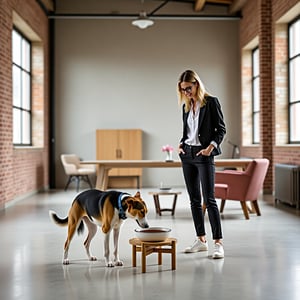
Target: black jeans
point(200, 170)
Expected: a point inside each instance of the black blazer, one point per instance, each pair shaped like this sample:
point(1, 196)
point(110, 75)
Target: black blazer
point(211, 124)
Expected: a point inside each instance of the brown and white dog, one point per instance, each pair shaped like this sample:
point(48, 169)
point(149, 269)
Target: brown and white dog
point(106, 209)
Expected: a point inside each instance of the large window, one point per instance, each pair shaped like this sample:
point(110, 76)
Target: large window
point(294, 81)
point(21, 70)
point(255, 97)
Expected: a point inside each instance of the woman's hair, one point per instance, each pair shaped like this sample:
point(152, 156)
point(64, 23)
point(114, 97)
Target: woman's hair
point(192, 77)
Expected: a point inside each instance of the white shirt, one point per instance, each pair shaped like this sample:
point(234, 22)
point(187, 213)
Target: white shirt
point(192, 126)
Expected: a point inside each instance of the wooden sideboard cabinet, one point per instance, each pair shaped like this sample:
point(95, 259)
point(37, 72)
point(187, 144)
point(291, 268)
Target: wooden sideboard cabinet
point(120, 144)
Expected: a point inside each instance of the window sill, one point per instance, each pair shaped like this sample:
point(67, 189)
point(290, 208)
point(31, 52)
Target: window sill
point(28, 148)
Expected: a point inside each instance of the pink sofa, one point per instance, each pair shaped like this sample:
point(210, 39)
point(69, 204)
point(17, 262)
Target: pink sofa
point(242, 185)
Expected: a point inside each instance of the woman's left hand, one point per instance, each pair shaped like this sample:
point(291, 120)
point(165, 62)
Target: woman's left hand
point(206, 152)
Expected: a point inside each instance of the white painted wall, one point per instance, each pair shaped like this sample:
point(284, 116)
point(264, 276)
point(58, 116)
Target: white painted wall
point(110, 74)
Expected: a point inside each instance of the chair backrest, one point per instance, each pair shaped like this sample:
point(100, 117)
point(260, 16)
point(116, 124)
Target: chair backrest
point(70, 163)
point(257, 170)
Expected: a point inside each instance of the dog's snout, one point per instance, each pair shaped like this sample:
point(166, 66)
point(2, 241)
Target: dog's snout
point(142, 223)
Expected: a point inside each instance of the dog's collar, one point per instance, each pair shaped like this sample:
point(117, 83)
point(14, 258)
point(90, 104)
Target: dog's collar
point(122, 214)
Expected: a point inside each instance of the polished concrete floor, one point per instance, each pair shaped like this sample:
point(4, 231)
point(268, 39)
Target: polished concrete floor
point(262, 256)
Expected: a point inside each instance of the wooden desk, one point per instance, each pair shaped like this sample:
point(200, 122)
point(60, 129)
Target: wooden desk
point(103, 166)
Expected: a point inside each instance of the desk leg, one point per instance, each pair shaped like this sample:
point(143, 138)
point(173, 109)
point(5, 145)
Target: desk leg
point(102, 178)
point(98, 179)
point(105, 180)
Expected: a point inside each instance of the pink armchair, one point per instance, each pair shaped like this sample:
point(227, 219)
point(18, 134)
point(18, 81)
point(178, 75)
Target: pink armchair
point(242, 185)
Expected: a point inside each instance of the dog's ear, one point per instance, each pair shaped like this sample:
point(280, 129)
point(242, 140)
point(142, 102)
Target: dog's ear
point(137, 194)
point(133, 203)
point(129, 202)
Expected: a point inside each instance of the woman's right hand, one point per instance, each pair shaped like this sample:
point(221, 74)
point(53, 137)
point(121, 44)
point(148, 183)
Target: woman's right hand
point(180, 150)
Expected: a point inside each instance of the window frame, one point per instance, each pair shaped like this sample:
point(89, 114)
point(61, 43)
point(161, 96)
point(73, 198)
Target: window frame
point(24, 109)
point(291, 102)
point(255, 92)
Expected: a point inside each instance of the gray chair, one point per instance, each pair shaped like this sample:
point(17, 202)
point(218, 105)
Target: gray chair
point(76, 171)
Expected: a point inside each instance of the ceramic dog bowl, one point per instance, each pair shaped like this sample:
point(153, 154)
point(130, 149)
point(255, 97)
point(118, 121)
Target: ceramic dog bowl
point(152, 234)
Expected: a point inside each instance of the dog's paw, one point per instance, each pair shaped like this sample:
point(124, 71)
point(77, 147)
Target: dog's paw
point(110, 264)
point(66, 261)
point(119, 263)
point(93, 258)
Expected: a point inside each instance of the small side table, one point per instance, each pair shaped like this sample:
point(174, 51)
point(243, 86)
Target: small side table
point(146, 248)
point(157, 203)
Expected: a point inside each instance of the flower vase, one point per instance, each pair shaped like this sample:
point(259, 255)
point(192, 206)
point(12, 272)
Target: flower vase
point(169, 156)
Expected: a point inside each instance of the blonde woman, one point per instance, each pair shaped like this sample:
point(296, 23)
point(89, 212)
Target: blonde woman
point(203, 132)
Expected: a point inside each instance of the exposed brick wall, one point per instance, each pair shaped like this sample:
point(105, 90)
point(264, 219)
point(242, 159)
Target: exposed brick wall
point(22, 171)
point(259, 21)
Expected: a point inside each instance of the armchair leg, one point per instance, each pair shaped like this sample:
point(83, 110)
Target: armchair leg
point(77, 183)
point(223, 201)
point(256, 207)
point(68, 182)
point(245, 209)
point(88, 181)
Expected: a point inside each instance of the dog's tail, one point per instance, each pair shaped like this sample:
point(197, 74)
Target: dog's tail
point(64, 222)
point(57, 220)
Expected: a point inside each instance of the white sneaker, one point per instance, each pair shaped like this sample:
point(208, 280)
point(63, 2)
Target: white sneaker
point(218, 251)
point(197, 246)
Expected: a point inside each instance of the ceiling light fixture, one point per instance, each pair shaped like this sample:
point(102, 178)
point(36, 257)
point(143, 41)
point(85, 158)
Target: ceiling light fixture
point(142, 21)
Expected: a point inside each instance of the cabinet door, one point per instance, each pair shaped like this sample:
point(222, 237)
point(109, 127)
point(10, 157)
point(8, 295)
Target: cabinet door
point(119, 144)
point(107, 146)
point(130, 147)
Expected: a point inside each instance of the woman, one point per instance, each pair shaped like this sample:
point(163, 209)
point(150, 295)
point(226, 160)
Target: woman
point(203, 132)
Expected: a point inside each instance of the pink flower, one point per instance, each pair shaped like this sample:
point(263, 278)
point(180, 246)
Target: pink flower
point(167, 148)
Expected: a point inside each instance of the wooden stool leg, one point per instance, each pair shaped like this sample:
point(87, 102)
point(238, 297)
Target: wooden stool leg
point(159, 256)
point(133, 255)
point(144, 253)
point(173, 254)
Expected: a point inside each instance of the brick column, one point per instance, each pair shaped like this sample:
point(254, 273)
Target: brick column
point(267, 106)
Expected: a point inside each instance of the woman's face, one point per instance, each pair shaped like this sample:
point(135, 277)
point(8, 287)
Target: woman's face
point(189, 89)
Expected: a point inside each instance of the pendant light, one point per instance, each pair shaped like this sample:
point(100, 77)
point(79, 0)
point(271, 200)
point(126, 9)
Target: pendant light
point(142, 21)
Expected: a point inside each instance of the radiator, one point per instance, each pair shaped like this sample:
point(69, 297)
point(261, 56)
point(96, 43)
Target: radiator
point(287, 181)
